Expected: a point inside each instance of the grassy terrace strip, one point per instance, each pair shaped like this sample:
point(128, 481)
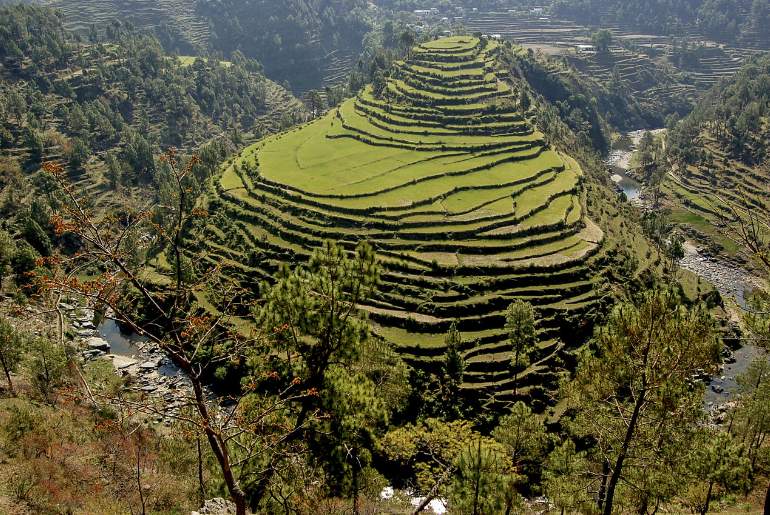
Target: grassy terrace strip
point(466, 205)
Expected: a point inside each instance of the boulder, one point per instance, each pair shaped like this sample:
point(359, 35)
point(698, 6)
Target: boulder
point(97, 343)
point(216, 506)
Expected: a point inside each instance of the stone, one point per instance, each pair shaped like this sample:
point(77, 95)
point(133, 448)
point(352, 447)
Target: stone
point(217, 506)
point(717, 388)
point(93, 353)
point(148, 365)
point(121, 362)
point(95, 342)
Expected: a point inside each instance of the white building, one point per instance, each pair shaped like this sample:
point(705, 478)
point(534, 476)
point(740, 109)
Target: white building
point(585, 49)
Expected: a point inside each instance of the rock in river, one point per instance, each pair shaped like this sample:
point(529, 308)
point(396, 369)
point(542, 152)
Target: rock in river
point(98, 343)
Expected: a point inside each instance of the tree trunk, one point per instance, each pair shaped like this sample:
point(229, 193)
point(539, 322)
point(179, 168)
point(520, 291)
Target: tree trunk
point(603, 487)
point(615, 477)
point(219, 448)
point(7, 374)
point(643, 507)
point(139, 475)
point(516, 374)
point(356, 511)
point(477, 486)
point(201, 487)
point(708, 499)
point(434, 490)
point(767, 501)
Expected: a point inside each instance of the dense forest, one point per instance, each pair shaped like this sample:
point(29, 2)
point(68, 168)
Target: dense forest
point(293, 40)
point(736, 112)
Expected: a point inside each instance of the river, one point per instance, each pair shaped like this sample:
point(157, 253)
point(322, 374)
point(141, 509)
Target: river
point(619, 162)
point(731, 281)
point(132, 347)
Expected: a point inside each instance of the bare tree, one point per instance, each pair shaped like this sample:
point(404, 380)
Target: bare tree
point(115, 255)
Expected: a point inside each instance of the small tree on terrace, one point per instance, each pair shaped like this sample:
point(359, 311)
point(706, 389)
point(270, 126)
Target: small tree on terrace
point(454, 369)
point(520, 324)
point(602, 40)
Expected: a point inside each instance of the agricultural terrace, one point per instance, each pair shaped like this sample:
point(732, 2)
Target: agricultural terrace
point(467, 206)
point(708, 193)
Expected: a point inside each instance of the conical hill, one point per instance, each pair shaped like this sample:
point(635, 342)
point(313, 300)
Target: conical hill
point(469, 209)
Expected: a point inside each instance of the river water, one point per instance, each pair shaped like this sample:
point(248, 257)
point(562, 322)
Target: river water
point(619, 162)
point(134, 347)
point(731, 281)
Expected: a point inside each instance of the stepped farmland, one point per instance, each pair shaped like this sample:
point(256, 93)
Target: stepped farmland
point(465, 203)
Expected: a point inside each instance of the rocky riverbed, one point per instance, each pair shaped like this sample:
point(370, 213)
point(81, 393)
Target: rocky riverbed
point(732, 282)
point(619, 163)
point(149, 370)
point(729, 279)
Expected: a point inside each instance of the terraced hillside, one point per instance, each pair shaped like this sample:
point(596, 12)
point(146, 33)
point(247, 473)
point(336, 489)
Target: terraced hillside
point(183, 28)
point(721, 157)
point(705, 195)
point(322, 40)
point(712, 189)
point(465, 203)
point(643, 64)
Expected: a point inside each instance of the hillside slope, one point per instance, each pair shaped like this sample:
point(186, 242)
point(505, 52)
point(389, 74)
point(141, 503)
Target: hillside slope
point(106, 110)
point(721, 154)
point(467, 206)
point(307, 43)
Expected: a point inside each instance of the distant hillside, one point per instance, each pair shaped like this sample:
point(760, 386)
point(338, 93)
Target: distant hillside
point(107, 109)
point(721, 152)
point(298, 41)
point(306, 43)
point(739, 21)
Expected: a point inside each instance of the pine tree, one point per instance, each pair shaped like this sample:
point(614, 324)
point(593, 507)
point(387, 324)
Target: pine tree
point(520, 324)
point(483, 483)
point(523, 435)
point(751, 420)
point(313, 313)
point(634, 395)
point(454, 368)
point(565, 479)
point(717, 461)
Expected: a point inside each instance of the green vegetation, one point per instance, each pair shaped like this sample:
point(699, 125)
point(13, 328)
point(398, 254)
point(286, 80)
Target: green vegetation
point(414, 288)
point(466, 205)
point(303, 43)
point(106, 108)
point(720, 158)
